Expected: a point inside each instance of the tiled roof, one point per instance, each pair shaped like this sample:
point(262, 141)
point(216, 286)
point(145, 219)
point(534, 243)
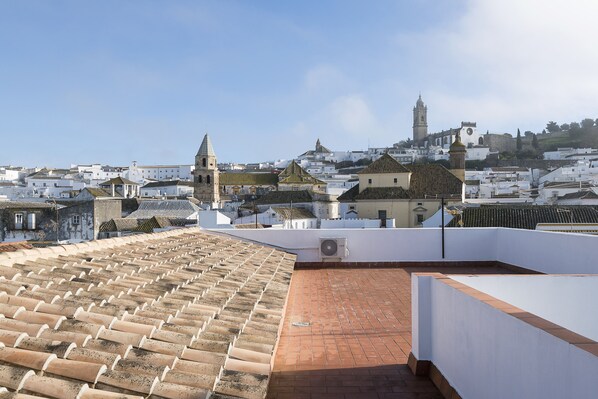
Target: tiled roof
point(433, 180)
point(293, 213)
point(170, 315)
point(120, 224)
point(248, 179)
point(166, 183)
point(119, 181)
point(524, 217)
point(284, 197)
point(25, 205)
point(385, 164)
point(177, 209)
point(379, 193)
point(349, 195)
point(295, 174)
point(567, 184)
point(14, 246)
point(580, 195)
point(97, 192)
point(427, 180)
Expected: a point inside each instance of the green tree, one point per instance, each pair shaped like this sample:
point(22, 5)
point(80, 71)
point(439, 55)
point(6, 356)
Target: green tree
point(519, 142)
point(544, 131)
point(552, 127)
point(587, 124)
point(565, 126)
point(535, 142)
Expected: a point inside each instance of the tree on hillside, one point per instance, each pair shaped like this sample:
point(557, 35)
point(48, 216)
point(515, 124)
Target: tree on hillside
point(552, 127)
point(528, 133)
point(535, 142)
point(565, 126)
point(544, 131)
point(587, 124)
point(574, 126)
point(519, 142)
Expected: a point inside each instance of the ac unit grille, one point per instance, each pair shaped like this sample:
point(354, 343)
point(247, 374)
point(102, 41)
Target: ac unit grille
point(329, 247)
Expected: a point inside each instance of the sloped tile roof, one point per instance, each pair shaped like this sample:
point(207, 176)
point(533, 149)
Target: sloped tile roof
point(167, 183)
point(120, 224)
point(295, 174)
point(293, 213)
point(284, 197)
point(385, 164)
point(14, 246)
point(427, 180)
point(97, 192)
point(176, 209)
point(433, 180)
point(524, 217)
point(169, 315)
point(119, 181)
point(25, 205)
point(349, 195)
point(580, 195)
point(248, 179)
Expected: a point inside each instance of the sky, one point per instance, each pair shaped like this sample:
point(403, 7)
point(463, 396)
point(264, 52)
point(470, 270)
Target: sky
point(114, 81)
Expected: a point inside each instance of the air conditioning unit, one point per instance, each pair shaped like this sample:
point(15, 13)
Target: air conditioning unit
point(333, 248)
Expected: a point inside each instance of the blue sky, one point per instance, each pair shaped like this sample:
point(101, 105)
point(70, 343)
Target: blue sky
point(117, 81)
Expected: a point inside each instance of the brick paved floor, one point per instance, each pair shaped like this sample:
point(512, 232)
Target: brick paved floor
point(359, 336)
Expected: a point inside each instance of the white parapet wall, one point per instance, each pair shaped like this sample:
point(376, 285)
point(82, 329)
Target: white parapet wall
point(569, 301)
point(541, 251)
point(548, 252)
point(382, 245)
point(484, 352)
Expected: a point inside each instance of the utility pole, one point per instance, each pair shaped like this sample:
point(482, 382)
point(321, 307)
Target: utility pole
point(291, 214)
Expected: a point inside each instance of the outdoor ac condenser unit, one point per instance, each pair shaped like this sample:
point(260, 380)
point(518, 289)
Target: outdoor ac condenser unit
point(333, 248)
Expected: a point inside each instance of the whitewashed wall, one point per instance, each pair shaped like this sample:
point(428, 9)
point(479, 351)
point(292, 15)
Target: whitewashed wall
point(485, 353)
point(383, 245)
point(548, 252)
point(569, 301)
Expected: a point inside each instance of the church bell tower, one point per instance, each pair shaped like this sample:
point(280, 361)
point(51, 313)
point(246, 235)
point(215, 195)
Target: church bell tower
point(420, 122)
point(206, 178)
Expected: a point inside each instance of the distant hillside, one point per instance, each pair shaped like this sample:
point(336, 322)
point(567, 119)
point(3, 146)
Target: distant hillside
point(583, 134)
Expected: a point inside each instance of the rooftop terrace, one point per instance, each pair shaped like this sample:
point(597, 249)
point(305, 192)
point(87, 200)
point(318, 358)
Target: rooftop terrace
point(191, 314)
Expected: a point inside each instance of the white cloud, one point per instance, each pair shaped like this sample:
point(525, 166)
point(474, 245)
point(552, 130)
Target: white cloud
point(352, 114)
point(324, 77)
point(510, 62)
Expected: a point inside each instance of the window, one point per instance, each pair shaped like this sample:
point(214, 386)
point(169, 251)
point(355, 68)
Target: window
point(420, 219)
point(18, 221)
point(203, 162)
point(208, 179)
point(420, 204)
point(396, 180)
point(369, 181)
point(76, 219)
point(199, 179)
point(352, 207)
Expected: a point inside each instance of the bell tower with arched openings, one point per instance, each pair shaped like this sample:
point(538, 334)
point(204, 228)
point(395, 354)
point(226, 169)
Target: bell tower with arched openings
point(206, 178)
point(420, 122)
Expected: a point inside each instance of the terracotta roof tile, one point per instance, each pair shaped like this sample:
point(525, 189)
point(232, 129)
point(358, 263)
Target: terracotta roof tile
point(180, 314)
